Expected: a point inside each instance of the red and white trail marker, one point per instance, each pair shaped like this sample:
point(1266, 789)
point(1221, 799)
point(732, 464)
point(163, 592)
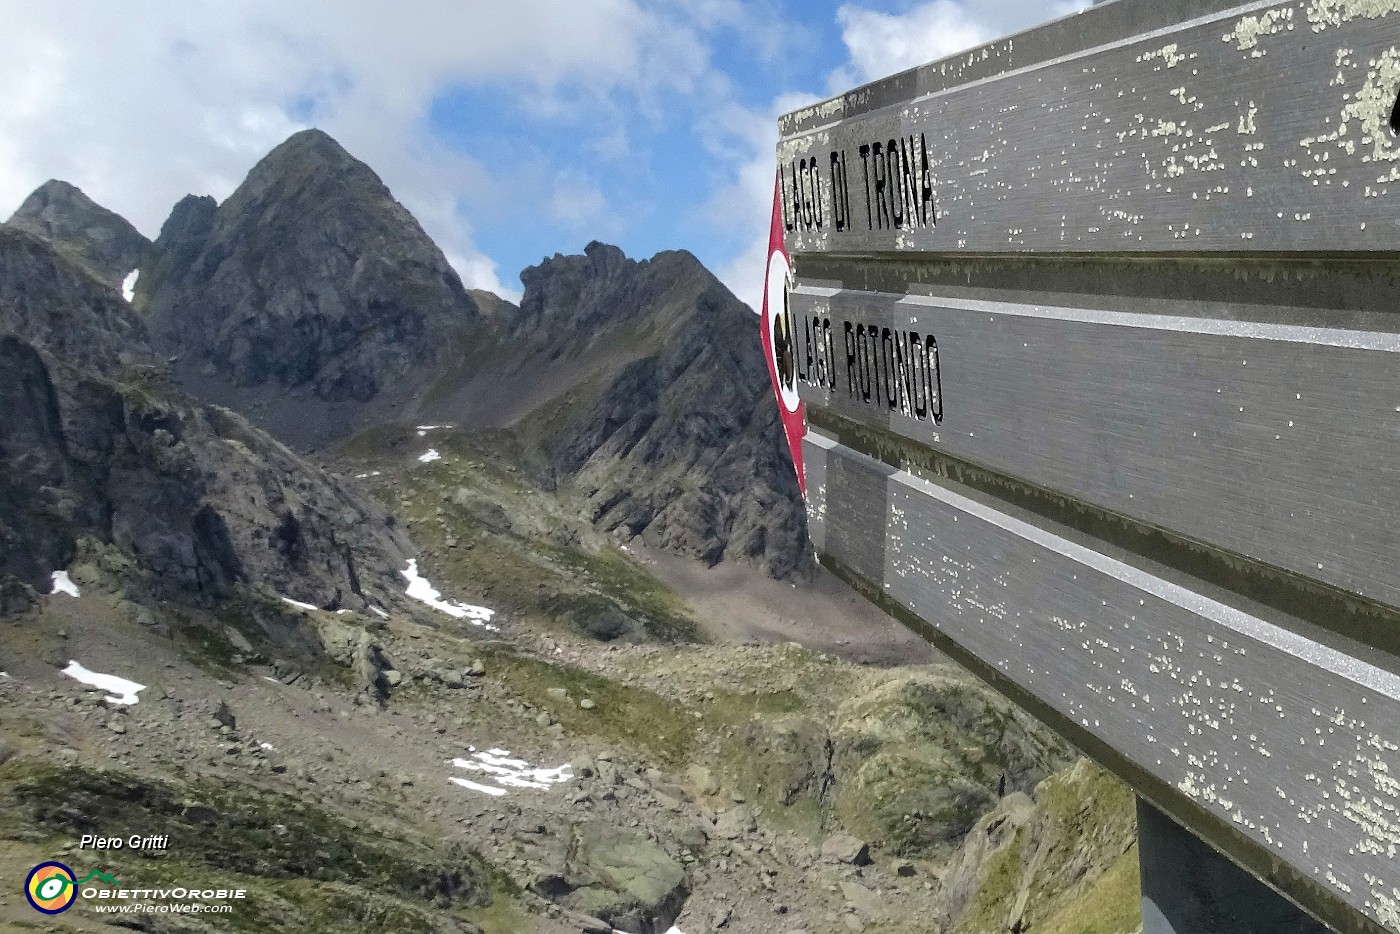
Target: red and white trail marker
point(777, 333)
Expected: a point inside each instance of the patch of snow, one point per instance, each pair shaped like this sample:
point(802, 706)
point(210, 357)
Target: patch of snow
point(273, 680)
point(298, 604)
point(62, 583)
point(267, 746)
point(506, 770)
point(422, 591)
point(129, 284)
point(378, 612)
point(485, 789)
point(366, 476)
point(120, 690)
point(430, 456)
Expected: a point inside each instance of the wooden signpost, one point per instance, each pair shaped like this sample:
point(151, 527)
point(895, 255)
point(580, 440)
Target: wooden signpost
point(1096, 333)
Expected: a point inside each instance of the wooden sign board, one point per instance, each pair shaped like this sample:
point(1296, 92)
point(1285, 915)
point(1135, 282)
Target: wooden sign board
point(1096, 333)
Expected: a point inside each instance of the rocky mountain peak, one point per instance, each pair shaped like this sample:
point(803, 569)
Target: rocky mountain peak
point(103, 241)
point(309, 168)
point(601, 293)
point(54, 195)
point(671, 433)
point(182, 238)
point(191, 219)
point(605, 256)
point(309, 282)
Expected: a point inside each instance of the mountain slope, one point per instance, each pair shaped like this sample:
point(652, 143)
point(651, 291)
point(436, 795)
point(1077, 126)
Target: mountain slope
point(640, 386)
point(100, 455)
point(103, 241)
point(372, 771)
point(310, 296)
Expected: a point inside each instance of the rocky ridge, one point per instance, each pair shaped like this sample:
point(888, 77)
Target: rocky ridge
point(675, 438)
point(103, 460)
point(313, 302)
point(53, 301)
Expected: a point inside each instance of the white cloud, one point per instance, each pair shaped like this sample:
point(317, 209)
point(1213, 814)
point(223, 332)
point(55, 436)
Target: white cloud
point(746, 201)
point(882, 44)
point(576, 204)
point(141, 104)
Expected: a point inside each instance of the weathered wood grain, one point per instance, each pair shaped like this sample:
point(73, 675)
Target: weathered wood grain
point(1261, 129)
point(1238, 421)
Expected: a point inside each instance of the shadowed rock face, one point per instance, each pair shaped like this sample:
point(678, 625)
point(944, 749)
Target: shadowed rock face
point(103, 241)
point(311, 280)
point(99, 452)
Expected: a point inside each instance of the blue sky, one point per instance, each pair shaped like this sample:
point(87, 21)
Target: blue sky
point(513, 129)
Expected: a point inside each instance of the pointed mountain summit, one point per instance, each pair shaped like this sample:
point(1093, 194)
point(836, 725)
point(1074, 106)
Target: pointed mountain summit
point(102, 241)
point(310, 297)
point(314, 302)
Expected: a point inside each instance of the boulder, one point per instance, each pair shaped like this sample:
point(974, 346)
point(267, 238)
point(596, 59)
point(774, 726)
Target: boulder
point(1031, 864)
point(734, 822)
point(703, 780)
point(624, 879)
point(919, 759)
point(845, 848)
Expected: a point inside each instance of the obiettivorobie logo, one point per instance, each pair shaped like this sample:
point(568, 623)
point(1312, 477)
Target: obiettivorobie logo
point(52, 887)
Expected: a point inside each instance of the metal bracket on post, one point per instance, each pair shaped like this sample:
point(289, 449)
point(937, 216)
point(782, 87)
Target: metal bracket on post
point(1188, 888)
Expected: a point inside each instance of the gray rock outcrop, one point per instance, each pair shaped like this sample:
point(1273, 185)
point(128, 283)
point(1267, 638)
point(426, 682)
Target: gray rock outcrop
point(101, 240)
point(57, 304)
point(919, 760)
point(624, 879)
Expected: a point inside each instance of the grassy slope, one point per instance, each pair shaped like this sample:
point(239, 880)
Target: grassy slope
point(542, 566)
